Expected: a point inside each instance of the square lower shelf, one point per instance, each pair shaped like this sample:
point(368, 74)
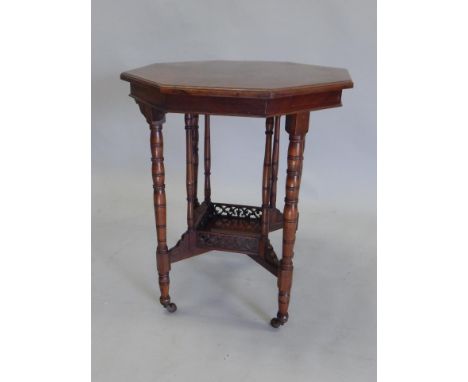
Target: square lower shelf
point(232, 227)
point(229, 228)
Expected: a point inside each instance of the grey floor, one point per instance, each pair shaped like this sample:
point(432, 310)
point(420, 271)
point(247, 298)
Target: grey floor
point(221, 330)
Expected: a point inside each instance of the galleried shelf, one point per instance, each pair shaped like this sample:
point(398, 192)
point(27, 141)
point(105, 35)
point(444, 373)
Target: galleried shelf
point(231, 228)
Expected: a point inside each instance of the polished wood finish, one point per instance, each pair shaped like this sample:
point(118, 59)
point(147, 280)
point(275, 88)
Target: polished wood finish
point(274, 164)
point(266, 186)
point(259, 89)
point(195, 139)
point(243, 88)
point(155, 120)
point(207, 157)
point(297, 126)
point(239, 79)
point(190, 126)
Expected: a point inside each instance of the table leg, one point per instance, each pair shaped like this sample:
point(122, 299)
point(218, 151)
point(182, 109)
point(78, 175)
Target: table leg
point(207, 147)
point(266, 187)
point(297, 126)
point(190, 123)
point(274, 163)
point(195, 160)
point(155, 119)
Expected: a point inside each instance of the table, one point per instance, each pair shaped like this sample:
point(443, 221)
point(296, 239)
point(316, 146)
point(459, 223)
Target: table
point(237, 88)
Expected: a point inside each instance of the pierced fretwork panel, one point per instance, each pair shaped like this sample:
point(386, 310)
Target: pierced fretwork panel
point(233, 211)
point(233, 243)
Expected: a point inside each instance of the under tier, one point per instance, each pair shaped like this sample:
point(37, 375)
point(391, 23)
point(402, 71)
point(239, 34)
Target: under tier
point(232, 228)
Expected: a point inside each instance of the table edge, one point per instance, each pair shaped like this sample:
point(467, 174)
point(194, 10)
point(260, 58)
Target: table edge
point(238, 93)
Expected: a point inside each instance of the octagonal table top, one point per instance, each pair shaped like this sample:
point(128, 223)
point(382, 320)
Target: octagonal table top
point(253, 79)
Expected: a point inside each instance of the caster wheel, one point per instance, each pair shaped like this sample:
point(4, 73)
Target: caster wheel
point(171, 308)
point(276, 323)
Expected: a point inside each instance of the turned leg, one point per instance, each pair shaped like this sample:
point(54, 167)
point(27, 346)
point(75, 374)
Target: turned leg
point(207, 148)
point(190, 121)
point(195, 159)
point(297, 126)
point(266, 186)
point(274, 162)
point(155, 119)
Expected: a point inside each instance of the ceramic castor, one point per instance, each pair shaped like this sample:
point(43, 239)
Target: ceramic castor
point(171, 307)
point(279, 320)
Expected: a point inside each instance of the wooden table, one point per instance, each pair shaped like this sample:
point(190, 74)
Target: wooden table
point(238, 88)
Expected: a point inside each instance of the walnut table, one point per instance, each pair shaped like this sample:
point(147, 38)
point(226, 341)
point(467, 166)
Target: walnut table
point(239, 88)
